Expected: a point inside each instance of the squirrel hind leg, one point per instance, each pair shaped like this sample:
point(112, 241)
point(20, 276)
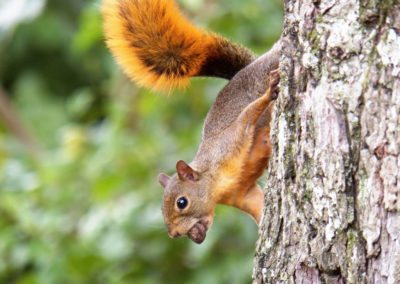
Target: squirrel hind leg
point(259, 154)
point(255, 109)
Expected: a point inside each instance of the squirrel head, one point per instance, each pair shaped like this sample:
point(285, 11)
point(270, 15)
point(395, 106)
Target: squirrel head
point(187, 203)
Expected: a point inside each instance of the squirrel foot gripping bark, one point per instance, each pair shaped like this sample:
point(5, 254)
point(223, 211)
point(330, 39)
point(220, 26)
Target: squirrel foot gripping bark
point(159, 48)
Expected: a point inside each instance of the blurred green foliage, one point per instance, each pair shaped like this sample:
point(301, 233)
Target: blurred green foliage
point(86, 208)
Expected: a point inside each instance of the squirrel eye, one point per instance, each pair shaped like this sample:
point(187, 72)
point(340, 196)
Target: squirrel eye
point(182, 202)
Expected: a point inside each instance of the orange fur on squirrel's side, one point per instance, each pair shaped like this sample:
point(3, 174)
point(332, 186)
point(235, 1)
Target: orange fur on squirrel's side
point(153, 42)
point(159, 48)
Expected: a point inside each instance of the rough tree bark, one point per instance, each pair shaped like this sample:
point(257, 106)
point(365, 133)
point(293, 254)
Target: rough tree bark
point(332, 212)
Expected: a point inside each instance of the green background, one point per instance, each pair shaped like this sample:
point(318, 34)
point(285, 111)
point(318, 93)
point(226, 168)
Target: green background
point(84, 207)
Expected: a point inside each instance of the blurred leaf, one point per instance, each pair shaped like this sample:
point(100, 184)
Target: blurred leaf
point(90, 32)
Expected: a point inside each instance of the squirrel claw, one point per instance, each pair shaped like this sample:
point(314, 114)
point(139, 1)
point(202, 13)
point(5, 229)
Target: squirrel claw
point(273, 88)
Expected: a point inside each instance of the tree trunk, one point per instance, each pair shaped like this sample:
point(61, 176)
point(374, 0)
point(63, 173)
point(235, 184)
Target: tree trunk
point(332, 199)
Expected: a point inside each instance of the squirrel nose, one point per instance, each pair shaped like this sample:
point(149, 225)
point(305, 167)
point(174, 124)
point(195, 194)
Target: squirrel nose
point(174, 234)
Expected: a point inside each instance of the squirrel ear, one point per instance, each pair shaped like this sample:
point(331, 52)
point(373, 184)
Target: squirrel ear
point(185, 172)
point(163, 179)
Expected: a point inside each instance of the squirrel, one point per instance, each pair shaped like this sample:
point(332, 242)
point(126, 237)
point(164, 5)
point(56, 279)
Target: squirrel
point(159, 48)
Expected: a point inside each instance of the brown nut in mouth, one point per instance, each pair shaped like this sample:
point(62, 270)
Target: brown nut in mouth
point(198, 232)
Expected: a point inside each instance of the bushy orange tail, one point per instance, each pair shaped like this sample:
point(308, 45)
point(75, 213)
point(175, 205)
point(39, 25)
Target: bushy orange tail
point(159, 48)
